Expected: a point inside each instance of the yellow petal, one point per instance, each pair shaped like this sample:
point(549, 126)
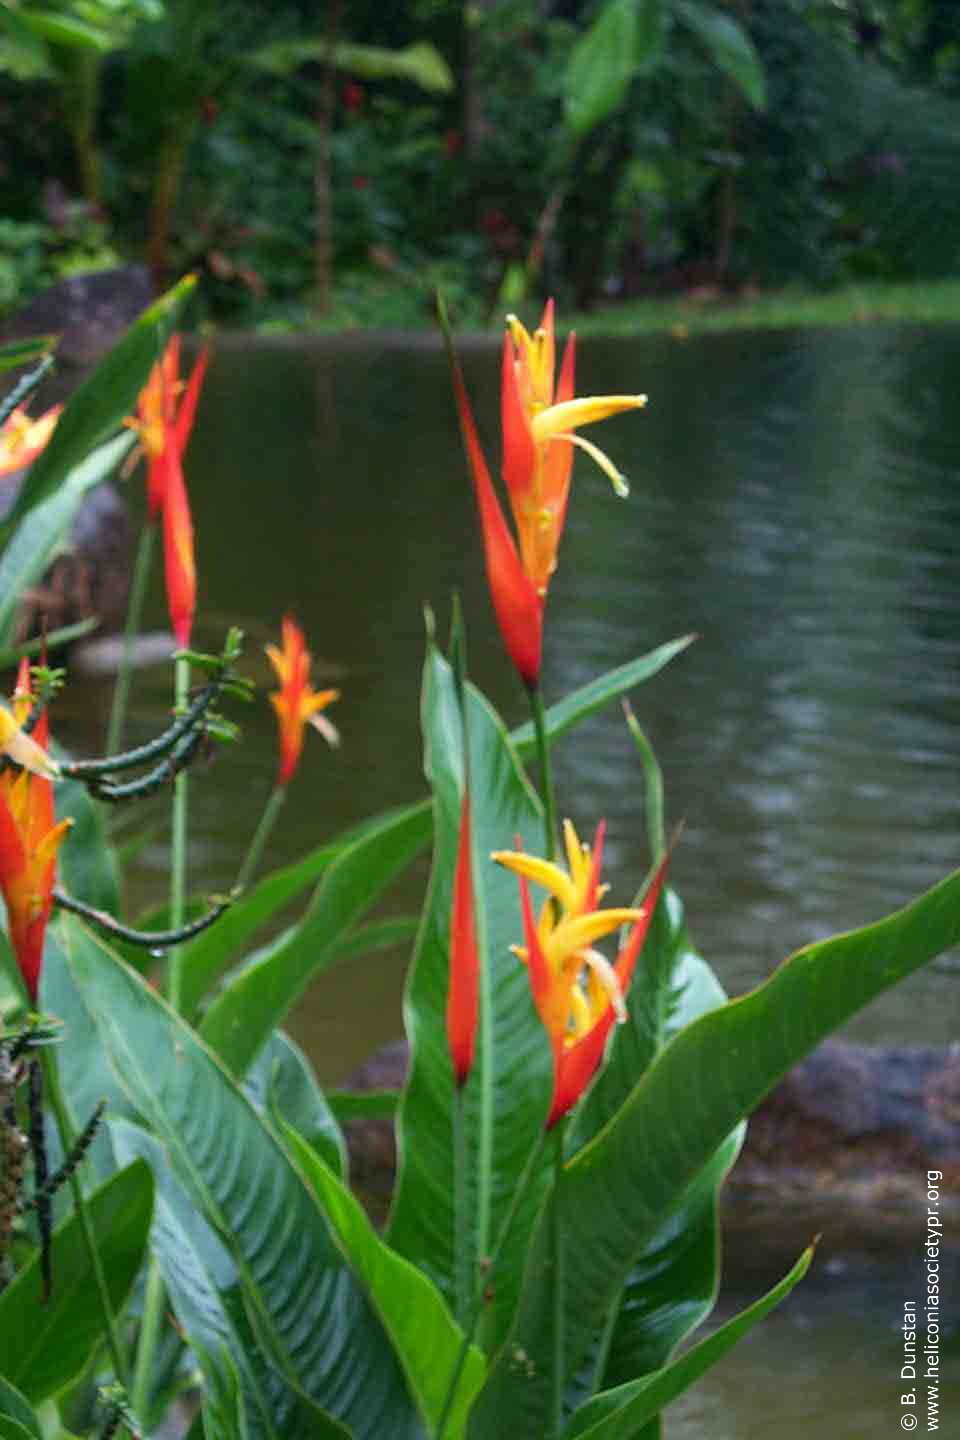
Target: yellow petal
point(604, 972)
point(542, 872)
point(571, 414)
point(23, 750)
point(579, 932)
point(617, 479)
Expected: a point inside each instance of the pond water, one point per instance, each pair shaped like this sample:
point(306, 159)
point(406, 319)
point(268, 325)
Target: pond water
point(795, 502)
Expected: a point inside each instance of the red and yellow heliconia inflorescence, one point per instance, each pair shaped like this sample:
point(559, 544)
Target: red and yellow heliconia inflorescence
point(295, 702)
point(164, 420)
point(539, 416)
point(463, 995)
point(29, 834)
point(23, 439)
point(578, 993)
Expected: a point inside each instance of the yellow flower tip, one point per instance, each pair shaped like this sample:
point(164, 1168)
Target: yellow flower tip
point(24, 751)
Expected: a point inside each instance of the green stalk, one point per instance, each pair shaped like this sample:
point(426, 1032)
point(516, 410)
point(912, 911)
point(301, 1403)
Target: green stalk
point(484, 1279)
point(178, 844)
point(546, 773)
point(261, 835)
point(67, 1138)
point(138, 590)
point(462, 1255)
point(559, 1328)
point(155, 1296)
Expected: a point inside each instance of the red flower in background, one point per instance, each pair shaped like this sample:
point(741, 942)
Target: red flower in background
point(29, 841)
point(295, 703)
point(22, 439)
point(165, 414)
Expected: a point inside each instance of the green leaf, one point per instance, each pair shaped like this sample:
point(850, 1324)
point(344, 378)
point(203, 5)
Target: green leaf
point(63, 635)
point(42, 531)
point(13, 1430)
point(729, 46)
point(601, 66)
point(618, 1191)
point(312, 1322)
point(250, 1006)
point(508, 1093)
point(58, 29)
point(205, 957)
point(205, 1290)
point(222, 1414)
point(651, 35)
point(363, 1105)
point(44, 1346)
point(282, 1085)
point(101, 403)
point(15, 353)
point(14, 1407)
point(424, 1334)
point(615, 1413)
point(594, 696)
point(672, 1286)
point(24, 56)
point(88, 864)
point(420, 64)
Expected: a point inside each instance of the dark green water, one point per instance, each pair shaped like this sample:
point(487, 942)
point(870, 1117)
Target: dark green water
point(796, 503)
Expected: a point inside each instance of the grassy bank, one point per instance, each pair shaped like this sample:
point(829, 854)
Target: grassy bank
point(380, 304)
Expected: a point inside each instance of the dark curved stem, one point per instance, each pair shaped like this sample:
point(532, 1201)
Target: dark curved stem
point(152, 939)
point(154, 780)
point(154, 749)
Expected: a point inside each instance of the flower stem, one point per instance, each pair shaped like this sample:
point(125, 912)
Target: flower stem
point(67, 1138)
point(546, 773)
point(462, 1256)
point(178, 843)
point(261, 835)
point(484, 1279)
point(559, 1325)
point(155, 1295)
point(138, 590)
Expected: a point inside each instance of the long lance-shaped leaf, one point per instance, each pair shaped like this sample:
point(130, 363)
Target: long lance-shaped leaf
point(507, 1094)
point(44, 1346)
point(204, 1288)
point(621, 1187)
point(424, 1333)
point(593, 696)
point(621, 1412)
point(208, 955)
point(306, 1310)
point(672, 1286)
point(243, 1015)
point(40, 534)
point(101, 403)
point(20, 352)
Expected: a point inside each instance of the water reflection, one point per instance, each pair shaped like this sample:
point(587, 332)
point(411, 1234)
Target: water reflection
point(794, 503)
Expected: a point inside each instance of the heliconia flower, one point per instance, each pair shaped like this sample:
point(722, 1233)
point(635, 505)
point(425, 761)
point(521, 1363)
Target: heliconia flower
point(165, 414)
point(538, 416)
point(29, 841)
point(179, 564)
point(22, 439)
point(295, 703)
point(578, 993)
point(463, 995)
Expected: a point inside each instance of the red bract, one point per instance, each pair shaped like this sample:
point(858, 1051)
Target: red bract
point(463, 995)
point(538, 417)
point(29, 841)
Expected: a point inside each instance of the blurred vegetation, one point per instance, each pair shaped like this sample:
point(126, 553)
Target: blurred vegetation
point(334, 162)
